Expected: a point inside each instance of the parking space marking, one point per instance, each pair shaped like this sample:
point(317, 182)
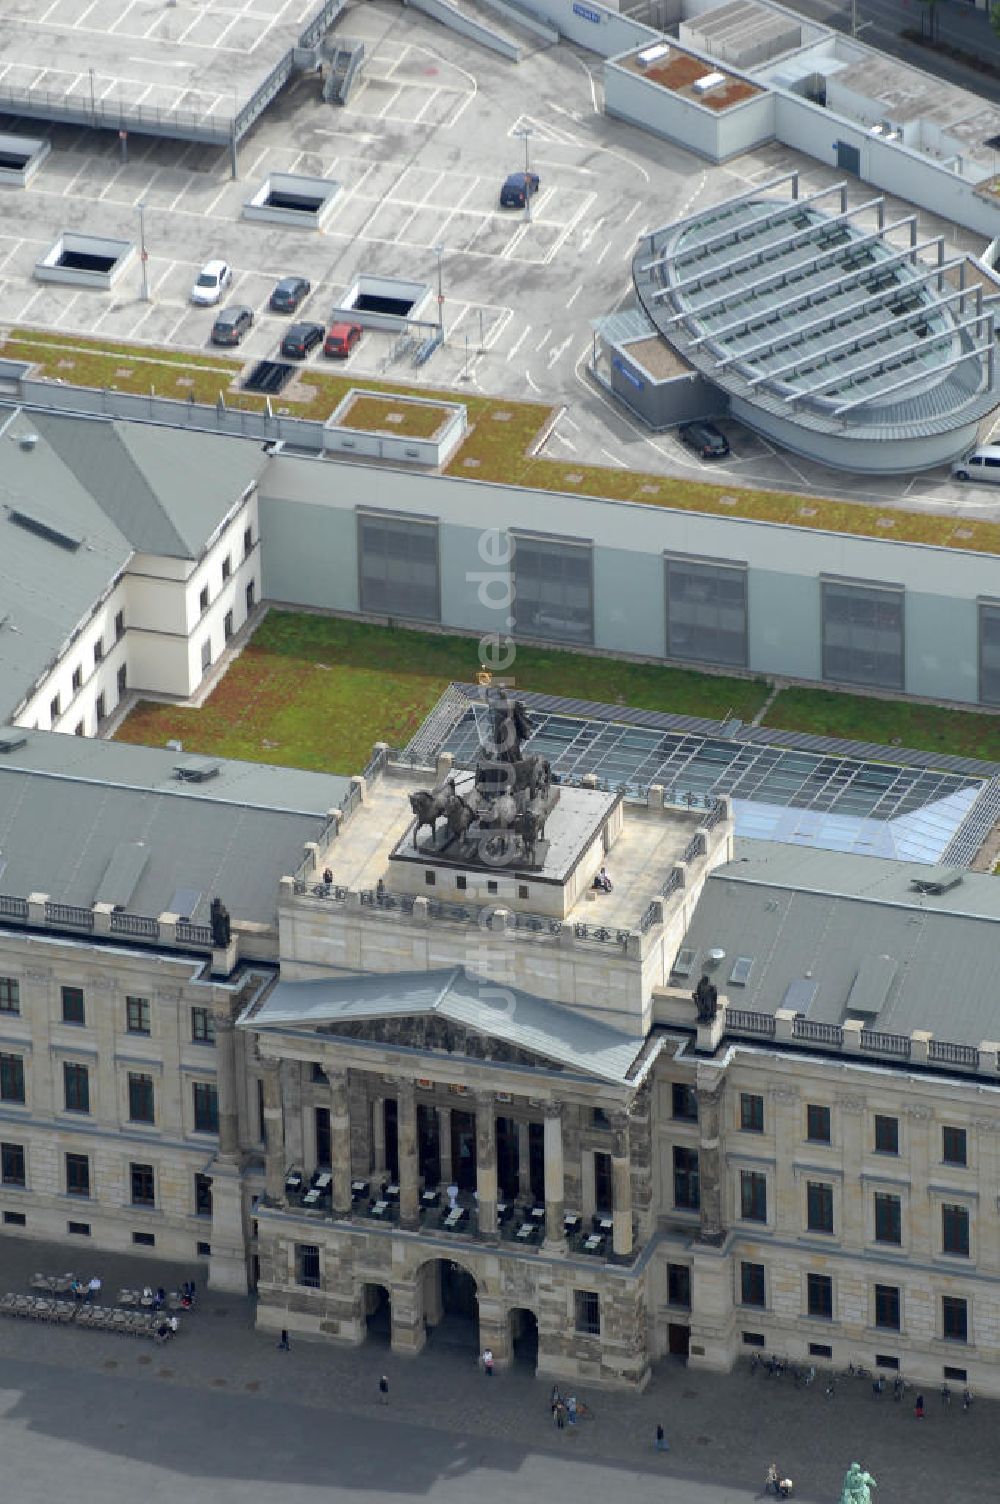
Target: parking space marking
point(498, 328)
point(573, 297)
point(559, 351)
point(613, 458)
point(391, 101)
point(519, 342)
point(544, 340)
point(561, 240)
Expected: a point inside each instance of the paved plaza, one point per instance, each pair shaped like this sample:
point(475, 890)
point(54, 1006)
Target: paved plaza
point(220, 1414)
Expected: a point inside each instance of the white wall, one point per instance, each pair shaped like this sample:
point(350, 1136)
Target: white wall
point(98, 677)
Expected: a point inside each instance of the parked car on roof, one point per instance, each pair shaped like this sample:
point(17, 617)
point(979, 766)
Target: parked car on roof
point(517, 189)
point(231, 324)
point(288, 294)
point(213, 279)
point(705, 439)
point(300, 339)
point(341, 339)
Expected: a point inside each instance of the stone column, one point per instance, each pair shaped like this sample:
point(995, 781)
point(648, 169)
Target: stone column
point(444, 1144)
point(226, 1087)
point(621, 1175)
point(340, 1142)
point(711, 1087)
point(555, 1207)
point(377, 1109)
point(523, 1160)
point(409, 1167)
point(852, 1200)
point(274, 1125)
point(486, 1163)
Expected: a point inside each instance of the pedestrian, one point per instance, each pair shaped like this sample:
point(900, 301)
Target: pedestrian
point(383, 1390)
point(877, 1386)
point(561, 1416)
point(918, 1408)
point(283, 1346)
point(771, 1481)
point(555, 1400)
point(571, 1409)
point(661, 1443)
point(93, 1288)
point(488, 1362)
point(945, 1395)
point(967, 1398)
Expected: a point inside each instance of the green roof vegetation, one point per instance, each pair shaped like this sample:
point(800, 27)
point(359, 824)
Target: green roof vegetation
point(929, 728)
point(388, 415)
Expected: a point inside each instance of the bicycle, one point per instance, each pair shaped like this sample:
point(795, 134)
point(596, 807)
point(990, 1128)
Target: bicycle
point(857, 1371)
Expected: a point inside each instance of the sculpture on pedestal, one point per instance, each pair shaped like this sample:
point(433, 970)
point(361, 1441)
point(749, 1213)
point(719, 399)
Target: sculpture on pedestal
point(706, 999)
point(858, 1485)
point(219, 921)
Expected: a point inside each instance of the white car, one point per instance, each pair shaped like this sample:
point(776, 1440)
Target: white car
point(213, 279)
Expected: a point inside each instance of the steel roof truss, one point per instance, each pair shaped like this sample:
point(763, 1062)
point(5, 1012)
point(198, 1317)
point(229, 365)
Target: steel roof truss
point(975, 352)
point(731, 203)
point(885, 362)
point(751, 226)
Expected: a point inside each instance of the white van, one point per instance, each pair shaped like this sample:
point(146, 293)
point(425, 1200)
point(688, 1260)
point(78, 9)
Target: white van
point(979, 464)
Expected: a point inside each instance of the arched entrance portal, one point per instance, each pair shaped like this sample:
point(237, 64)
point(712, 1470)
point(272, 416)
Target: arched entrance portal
point(524, 1339)
point(451, 1305)
point(378, 1314)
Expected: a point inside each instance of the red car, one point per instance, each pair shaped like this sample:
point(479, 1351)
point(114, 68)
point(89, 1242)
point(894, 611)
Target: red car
point(341, 339)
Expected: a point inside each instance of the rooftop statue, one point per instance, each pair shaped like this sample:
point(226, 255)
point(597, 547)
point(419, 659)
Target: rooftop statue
point(858, 1485)
point(706, 999)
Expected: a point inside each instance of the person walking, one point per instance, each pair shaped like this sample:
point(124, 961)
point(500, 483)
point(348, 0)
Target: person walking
point(555, 1400)
point(918, 1408)
point(283, 1344)
point(93, 1288)
point(571, 1409)
point(488, 1362)
point(772, 1479)
point(661, 1443)
point(383, 1390)
point(561, 1416)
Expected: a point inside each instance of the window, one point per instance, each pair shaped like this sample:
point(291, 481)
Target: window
point(77, 679)
point(247, 542)
point(886, 1360)
point(250, 596)
point(119, 625)
point(100, 706)
point(203, 599)
point(862, 634)
point(122, 679)
point(144, 1239)
point(888, 1219)
point(12, 1164)
point(679, 1285)
point(754, 1339)
point(954, 1318)
point(15, 1219)
point(54, 708)
point(398, 565)
point(72, 1005)
point(553, 589)
point(588, 1312)
point(318, 1074)
point(203, 1195)
point(886, 1135)
point(137, 1015)
point(307, 1265)
point(10, 995)
point(11, 1078)
point(461, 883)
point(819, 1296)
point(753, 1288)
point(143, 1189)
point(206, 654)
point(599, 1118)
point(817, 1123)
point(140, 1098)
point(98, 651)
point(751, 1113)
point(261, 1116)
point(820, 1350)
point(887, 1307)
point(430, 878)
point(955, 1230)
point(323, 1140)
point(79, 1229)
point(206, 1107)
point(227, 625)
point(684, 1100)
point(227, 567)
point(604, 1185)
point(687, 1185)
point(989, 654)
point(753, 1196)
point(819, 1206)
point(202, 1026)
point(706, 612)
point(76, 1087)
point(80, 729)
point(77, 1175)
point(203, 1250)
point(954, 1147)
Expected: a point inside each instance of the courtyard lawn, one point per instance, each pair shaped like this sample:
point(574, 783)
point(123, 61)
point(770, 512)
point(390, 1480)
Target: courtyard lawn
point(318, 692)
point(824, 712)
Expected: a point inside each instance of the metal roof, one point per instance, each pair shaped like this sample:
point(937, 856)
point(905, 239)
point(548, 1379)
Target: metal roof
point(821, 320)
point(519, 1018)
point(851, 937)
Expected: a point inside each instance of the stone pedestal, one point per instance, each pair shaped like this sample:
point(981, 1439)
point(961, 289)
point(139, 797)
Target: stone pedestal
point(712, 1313)
point(409, 1333)
point(555, 1203)
point(227, 1269)
point(494, 1332)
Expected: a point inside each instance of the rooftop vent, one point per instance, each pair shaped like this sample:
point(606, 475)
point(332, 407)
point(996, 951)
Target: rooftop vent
point(708, 81)
point(652, 55)
point(936, 880)
point(870, 988)
point(28, 441)
point(740, 974)
point(684, 964)
point(715, 956)
point(197, 770)
point(32, 523)
point(12, 743)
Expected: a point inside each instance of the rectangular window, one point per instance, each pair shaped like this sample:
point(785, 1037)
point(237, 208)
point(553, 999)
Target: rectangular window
point(820, 1350)
point(819, 1206)
point(954, 1318)
point(54, 709)
point(687, 1185)
point(751, 1112)
point(398, 565)
point(247, 542)
point(888, 1219)
point(78, 1229)
point(202, 1026)
point(206, 654)
point(144, 1239)
point(887, 1307)
point(98, 651)
point(553, 588)
point(954, 1146)
point(143, 1188)
point(206, 1107)
point(119, 625)
point(10, 995)
point(862, 635)
point(122, 679)
point(307, 1265)
point(203, 1195)
point(588, 1312)
point(887, 1360)
point(72, 1005)
point(250, 594)
point(323, 1142)
point(753, 1196)
point(955, 1230)
point(11, 1078)
point(318, 1074)
point(100, 707)
point(753, 1286)
point(227, 625)
point(12, 1164)
point(76, 1087)
point(989, 654)
point(77, 1175)
point(684, 1101)
point(604, 1186)
point(817, 1124)
point(77, 679)
point(886, 1135)
point(679, 1285)
point(706, 612)
point(203, 599)
point(140, 1098)
point(227, 567)
point(137, 1015)
point(15, 1219)
point(819, 1296)
point(203, 1250)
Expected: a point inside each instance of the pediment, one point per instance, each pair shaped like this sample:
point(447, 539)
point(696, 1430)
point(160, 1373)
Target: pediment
point(434, 1035)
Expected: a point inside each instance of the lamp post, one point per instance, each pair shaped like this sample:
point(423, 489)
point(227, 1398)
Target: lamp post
point(439, 253)
point(143, 255)
point(526, 131)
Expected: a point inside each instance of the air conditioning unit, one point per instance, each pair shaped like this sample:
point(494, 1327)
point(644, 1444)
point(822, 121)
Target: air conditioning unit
point(708, 81)
point(652, 55)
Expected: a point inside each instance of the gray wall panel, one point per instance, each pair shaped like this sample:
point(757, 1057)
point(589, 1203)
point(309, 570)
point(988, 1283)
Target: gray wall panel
point(628, 602)
point(309, 553)
point(783, 611)
point(941, 647)
point(465, 572)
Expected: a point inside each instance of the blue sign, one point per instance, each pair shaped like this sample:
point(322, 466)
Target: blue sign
point(629, 375)
point(586, 12)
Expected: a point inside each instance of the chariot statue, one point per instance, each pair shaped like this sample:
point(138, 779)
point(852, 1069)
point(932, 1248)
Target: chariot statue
point(858, 1485)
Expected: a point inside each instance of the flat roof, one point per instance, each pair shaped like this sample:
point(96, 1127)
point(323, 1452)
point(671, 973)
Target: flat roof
point(679, 72)
point(413, 418)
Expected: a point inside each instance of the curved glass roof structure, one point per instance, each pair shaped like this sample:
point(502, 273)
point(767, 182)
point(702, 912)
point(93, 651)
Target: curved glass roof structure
point(821, 321)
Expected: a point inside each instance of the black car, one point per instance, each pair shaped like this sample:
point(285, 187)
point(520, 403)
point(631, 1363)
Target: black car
point(288, 294)
point(231, 324)
point(301, 338)
point(705, 439)
point(517, 189)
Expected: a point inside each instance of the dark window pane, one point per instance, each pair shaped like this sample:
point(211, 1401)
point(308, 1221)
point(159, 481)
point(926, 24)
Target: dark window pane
point(819, 1207)
point(819, 1296)
point(76, 1085)
point(706, 612)
point(588, 1312)
point(140, 1099)
point(10, 995)
point(12, 1164)
point(684, 1100)
point(955, 1230)
point(553, 590)
point(143, 1192)
point(751, 1112)
point(398, 567)
point(687, 1188)
point(72, 1005)
point(203, 1195)
point(886, 1135)
point(888, 1219)
point(753, 1196)
point(137, 1015)
point(862, 634)
point(307, 1265)
point(11, 1078)
point(818, 1123)
point(954, 1319)
point(679, 1285)
point(887, 1307)
point(954, 1148)
point(206, 1107)
point(77, 1175)
point(753, 1289)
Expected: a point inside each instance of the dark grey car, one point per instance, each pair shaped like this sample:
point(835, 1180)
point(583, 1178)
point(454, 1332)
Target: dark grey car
point(231, 324)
